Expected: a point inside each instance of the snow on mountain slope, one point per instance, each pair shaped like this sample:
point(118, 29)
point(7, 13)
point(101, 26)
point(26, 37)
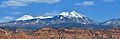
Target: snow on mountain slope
point(72, 14)
point(25, 17)
point(75, 17)
point(41, 17)
point(28, 17)
point(113, 22)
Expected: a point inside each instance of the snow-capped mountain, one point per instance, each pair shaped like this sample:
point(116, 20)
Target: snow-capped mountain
point(25, 17)
point(62, 20)
point(75, 17)
point(113, 22)
point(29, 17)
point(72, 14)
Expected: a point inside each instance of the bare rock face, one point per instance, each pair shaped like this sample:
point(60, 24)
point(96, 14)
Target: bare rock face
point(22, 35)
point(4, 34)
point(62, 33)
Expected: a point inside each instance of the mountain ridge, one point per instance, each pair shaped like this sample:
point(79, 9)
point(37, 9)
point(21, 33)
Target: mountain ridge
point(63, 20)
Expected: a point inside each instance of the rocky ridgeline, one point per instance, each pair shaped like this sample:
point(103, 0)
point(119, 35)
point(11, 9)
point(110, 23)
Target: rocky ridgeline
point(61, 33)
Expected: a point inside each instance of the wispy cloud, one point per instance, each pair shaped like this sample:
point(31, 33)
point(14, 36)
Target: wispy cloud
point(49, 13)
point(6, 19)
point(16, 3)
point(18, 13)
point(86, 3)
point(108, 0)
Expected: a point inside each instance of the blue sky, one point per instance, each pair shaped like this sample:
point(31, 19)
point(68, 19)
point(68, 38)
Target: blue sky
point(98, 10)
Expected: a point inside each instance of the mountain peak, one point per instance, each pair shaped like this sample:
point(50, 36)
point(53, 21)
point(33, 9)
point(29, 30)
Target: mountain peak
point(112, 22)
point(25, 17)
point(72, 14)
point(28, 17)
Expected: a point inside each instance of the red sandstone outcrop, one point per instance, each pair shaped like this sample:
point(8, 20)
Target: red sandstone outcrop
point(61, 33)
